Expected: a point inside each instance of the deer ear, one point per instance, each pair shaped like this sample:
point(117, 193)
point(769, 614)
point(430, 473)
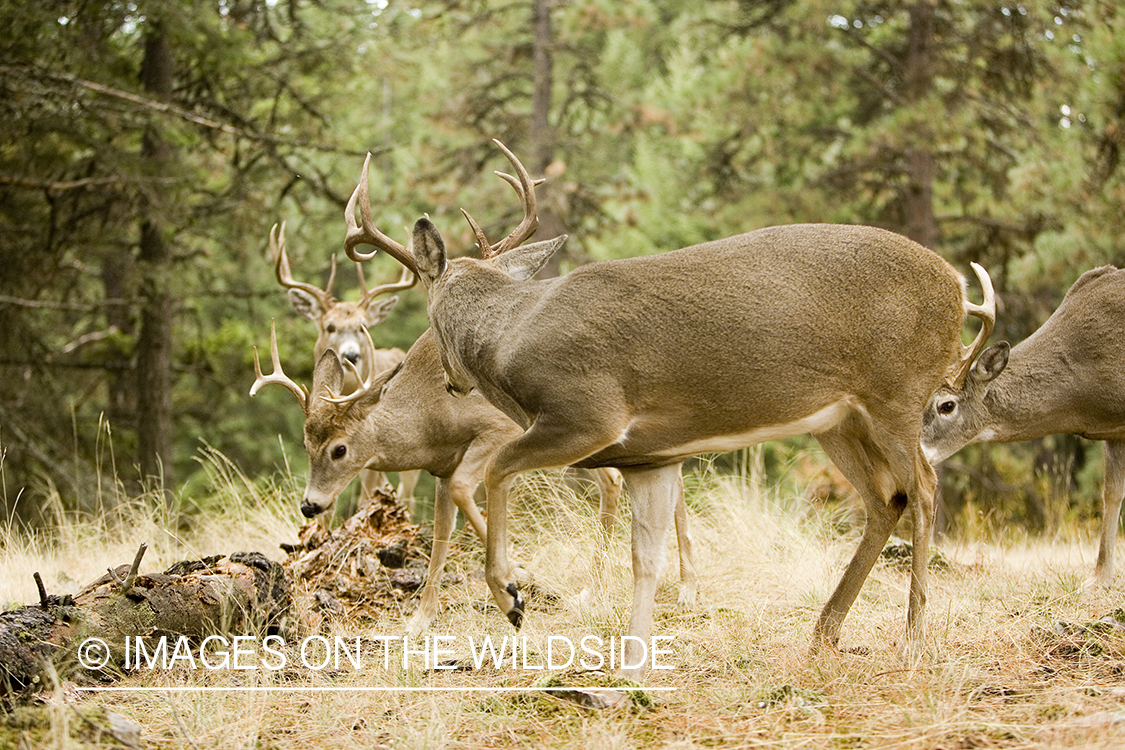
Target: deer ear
point(305, 304)
point(991, 362)
point(377, 312)
point(328, 377)
point(428, 249)
point(521, 263)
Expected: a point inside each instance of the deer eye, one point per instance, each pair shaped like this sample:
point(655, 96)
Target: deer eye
point(339, 451)
point(946, 407)
point(331, 328)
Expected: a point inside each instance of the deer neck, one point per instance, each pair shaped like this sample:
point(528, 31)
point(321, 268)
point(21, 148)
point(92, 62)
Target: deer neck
point(473, 311)
point(1027, 400)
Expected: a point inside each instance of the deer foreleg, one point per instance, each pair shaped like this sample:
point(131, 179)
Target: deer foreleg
point(541, 447)
point(922, 516)
point(369, 481)
point(445, 512)
point(407, 481)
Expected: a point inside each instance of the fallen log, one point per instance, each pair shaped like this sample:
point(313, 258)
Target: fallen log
point(243, 593)
point(374, 561)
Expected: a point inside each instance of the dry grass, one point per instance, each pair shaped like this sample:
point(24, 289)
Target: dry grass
point(994, 677)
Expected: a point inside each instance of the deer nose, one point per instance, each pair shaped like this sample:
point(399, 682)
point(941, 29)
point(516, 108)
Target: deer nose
point(352, 356)
point(308, 510)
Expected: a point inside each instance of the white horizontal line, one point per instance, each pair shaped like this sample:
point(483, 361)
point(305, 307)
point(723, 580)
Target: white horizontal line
point(315, 689)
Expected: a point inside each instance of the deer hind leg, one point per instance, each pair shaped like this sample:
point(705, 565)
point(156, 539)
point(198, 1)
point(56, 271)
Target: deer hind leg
point(445, 512)
point(609, 484)
point(609, 490)
point(609, 481)
point(889, 480)
point(653, 493)
point(689, 579)
point(544, 445)
point(1112, 495)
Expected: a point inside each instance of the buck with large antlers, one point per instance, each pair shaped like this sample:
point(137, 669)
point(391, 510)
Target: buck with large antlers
point(1066, 378)
point(342, 328)
point(841, 331)
point(404, 419)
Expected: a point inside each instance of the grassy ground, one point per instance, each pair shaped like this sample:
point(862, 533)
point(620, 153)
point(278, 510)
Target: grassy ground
point(999, 672)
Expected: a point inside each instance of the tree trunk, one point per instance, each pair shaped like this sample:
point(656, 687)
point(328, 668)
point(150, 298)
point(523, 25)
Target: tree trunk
point(918, 198)
point(121, 387)
point(542, 136)
point(154, 345)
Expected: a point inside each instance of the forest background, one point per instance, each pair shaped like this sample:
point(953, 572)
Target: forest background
point(147, 147)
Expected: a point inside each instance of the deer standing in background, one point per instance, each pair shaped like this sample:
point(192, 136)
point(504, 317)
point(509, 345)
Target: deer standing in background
point(342, 328)
point(841, 331)
point(1066, 378)
point(404, 419)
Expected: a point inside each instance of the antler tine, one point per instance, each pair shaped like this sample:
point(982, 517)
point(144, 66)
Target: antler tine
point(515, 183)
point(364, 385)
point(526, 191)
point(285, 276)
point(407, 280)
point(362, 280)
point(986, 311)
point(482, 240)
point(331, 277)
point(369, 234)
point(278, 375)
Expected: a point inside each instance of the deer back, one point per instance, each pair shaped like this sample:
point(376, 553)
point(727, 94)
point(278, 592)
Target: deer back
point(710, 347)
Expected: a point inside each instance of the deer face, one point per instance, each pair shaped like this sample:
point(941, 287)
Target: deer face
point(341, 325)
point(339, 438)
point(957, 416)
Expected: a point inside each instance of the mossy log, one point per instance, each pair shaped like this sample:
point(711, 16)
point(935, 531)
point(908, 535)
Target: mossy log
point(243, 593)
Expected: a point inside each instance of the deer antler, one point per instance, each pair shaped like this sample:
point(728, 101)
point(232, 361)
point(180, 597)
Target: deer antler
point(285, 277)
point(278, 375)
point(986, 311)
point(364, 385)
point(368, 233)
point(525, 189)
point(407, 280)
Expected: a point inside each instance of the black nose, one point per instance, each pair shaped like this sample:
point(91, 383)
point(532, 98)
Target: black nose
point(352, 357)
point(308, 510)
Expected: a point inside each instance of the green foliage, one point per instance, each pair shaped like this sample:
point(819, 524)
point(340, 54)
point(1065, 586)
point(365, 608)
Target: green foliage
point(992, 132)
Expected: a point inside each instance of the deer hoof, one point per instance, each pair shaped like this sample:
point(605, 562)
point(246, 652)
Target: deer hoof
point(515, 614)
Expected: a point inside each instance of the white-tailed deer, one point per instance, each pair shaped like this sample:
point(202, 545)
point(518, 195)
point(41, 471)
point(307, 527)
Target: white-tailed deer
point(841, 331)
point(404, 419)
point(1066, 378)
point(342, 327)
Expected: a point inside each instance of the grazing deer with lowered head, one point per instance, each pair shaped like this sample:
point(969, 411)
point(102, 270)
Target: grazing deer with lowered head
point(342, 328)
point(1066, 378)
point(404, 419)
point(841, 331)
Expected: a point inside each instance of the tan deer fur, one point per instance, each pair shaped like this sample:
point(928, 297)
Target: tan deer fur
point(1066, 378)
point(342, 327)
point(406, 420)
point(841, 331)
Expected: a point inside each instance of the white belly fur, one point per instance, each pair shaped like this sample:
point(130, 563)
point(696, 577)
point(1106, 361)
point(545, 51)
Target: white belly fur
point(818, 421)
